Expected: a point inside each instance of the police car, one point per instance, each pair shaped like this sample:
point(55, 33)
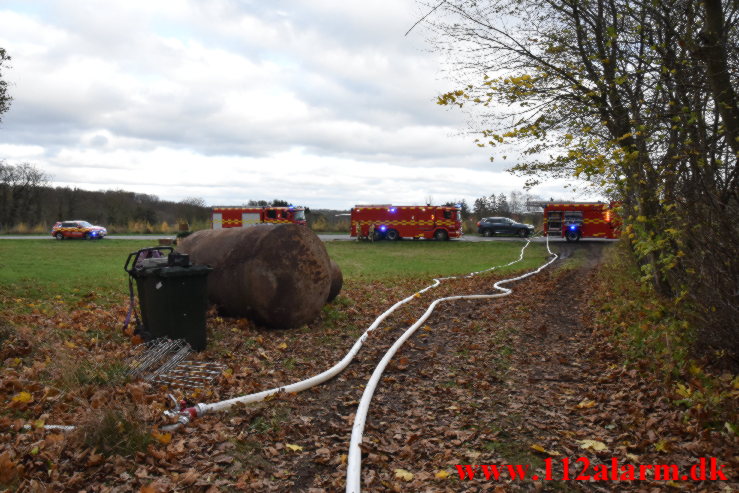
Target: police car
point(77, 229)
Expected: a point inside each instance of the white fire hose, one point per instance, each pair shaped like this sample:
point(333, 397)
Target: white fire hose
point(354, 464)
point(187, 414)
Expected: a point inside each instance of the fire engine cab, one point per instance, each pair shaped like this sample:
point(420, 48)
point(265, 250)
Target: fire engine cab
point(393, 222)
point(244, 217)
point(575, 220)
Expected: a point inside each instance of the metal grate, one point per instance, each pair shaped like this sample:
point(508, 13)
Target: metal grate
point(163, 361)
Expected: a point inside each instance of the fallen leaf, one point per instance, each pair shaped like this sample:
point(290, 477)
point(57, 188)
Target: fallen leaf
point(22, 397)
point(294, 448)
point(188, 477)
point(163, 438)
point(662, 446)
point(593, 445)
point(282, 346)
point(442, 474)
point(586, 404)
point(541, 449)
point(95, 459)
point(9, 469)
point(403, 474)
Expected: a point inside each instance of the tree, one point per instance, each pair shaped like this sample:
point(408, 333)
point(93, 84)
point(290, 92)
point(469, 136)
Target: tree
point(192, 208)
point(5, 98)
point(481, 207)
point(503, 207)
point(19, 190)
point(635, 96)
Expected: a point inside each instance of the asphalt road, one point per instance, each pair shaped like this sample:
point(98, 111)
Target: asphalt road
point(323, 237)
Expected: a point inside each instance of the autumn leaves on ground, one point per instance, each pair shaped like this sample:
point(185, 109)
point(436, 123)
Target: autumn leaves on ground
point(551, 372)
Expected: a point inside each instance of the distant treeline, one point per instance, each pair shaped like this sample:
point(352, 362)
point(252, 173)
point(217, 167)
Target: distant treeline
point(29, 204)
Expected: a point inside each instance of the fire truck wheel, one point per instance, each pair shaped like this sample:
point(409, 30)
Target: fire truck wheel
point(441, 235)
point(59, 236)
point(392, 235)
point(376, 236)
point(572, 236)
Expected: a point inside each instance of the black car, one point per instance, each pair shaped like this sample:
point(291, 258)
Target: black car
point(489, 226)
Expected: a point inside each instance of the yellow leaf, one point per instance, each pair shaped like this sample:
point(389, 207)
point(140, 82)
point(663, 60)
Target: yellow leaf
point(586, 404)
point(593, 445)
point(541, 449)
point(683, 391)
point(22, 397)
point(294, 448)
point(661, 446)
point(632, 457)
point(70, 344)
point(39, 423)
point(442, 474)
point(163, 438)
point(403, 474)
point(282, 346)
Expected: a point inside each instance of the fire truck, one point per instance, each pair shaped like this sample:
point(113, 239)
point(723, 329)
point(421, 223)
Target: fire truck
point(244, 217)
point(575, 220)
point(393, 222)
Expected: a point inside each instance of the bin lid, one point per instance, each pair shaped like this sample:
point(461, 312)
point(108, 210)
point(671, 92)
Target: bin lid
point(175, 271)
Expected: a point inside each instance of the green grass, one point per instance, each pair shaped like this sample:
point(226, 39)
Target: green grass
point(75, 270)
point(426, 259)
point(72, 270)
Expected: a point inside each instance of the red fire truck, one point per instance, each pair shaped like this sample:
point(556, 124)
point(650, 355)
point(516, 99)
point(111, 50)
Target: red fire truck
point(243, 217)
point(575, 220)
point(394, 222)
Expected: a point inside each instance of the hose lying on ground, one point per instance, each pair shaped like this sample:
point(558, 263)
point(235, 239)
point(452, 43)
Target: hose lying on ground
point(354, 464)
point(187, 414)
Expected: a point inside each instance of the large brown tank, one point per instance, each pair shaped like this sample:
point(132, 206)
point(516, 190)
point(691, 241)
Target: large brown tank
point(337, 281)
point(278, 275)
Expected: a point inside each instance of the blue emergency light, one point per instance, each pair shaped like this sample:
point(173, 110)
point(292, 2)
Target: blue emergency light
point(383, 227)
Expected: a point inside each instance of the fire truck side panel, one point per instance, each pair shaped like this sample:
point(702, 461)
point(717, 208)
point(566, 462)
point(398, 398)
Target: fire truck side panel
point(408, 221)
point(597, 220)
point(244, 217)
point(217, 220)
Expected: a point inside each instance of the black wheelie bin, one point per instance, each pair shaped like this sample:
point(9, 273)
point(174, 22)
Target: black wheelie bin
point(172, 295)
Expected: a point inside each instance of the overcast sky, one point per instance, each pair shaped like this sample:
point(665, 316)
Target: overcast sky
point(323, 103)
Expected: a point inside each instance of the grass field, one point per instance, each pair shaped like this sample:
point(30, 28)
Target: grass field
point(38, 270)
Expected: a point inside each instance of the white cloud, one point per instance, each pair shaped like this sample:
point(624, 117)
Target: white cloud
point(324, 103)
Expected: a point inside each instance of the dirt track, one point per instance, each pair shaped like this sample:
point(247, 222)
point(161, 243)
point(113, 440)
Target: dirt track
point(483, 384)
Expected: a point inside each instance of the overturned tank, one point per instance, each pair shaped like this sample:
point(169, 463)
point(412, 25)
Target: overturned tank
point(279, 276)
